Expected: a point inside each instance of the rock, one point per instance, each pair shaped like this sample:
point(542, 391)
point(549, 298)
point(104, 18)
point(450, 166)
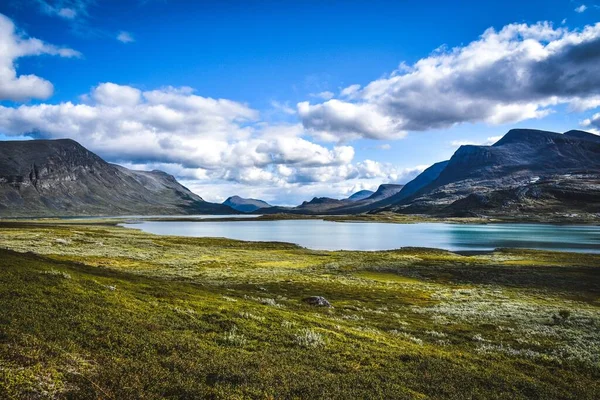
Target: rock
point(317, 301)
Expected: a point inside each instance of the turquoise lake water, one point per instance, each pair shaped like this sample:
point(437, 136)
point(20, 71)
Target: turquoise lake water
point(325, 235)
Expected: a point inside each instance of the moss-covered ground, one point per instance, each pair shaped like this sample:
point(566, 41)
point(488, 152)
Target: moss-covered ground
point(102, 312)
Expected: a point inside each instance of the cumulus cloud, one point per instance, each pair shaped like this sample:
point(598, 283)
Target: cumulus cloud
point(14, 46)
point(520, 72)
point(286, 185)
point(111, 94)
point(193, 137)
point(125, 37)
point(209, 142)
point(337, 119)
point(125, 123)
point(581, 9)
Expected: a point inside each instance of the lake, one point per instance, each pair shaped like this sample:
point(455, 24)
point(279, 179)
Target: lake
point(191, 216)
point(370, 236)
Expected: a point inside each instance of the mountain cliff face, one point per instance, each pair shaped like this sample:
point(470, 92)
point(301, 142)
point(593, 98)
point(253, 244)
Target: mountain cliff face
point(61, 178)
point(526, 170)
point(245, 205)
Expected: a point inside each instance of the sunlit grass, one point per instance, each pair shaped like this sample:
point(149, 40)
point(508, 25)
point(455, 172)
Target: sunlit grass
point(103, 312)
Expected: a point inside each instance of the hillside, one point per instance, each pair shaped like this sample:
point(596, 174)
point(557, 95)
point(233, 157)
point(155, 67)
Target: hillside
point(526, 171)
point(62, 178)
point(245, 205)
point(153, 317)
point(360, 195)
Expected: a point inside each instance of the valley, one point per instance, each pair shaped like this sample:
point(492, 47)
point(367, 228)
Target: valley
point(97, 311)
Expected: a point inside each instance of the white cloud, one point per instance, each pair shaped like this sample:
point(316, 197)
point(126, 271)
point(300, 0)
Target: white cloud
point(520, 72)
point(213, 143)
point(335, 119)
point(297, 187)
point(581, 8)
point(350, 91)
point(326, 95)
point(592, 124)
point(13, 46)
point(125, 37)
point(194, 137)
point(384, 146)
point(125, 123)
point(488, 142)
point(283, 107)
point(110, 94)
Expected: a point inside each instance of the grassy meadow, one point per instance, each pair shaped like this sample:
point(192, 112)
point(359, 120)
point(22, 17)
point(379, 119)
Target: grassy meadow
point(93, 311)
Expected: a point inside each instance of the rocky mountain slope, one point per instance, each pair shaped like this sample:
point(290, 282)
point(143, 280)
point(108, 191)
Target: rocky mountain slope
point(61, 178)
point(360, 195)
point(245, 205)
point(527, 171)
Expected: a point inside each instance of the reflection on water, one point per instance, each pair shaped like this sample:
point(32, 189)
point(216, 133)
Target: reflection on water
point(325, 235)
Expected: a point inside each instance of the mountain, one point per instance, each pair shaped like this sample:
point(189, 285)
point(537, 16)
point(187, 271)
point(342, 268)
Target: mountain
point(321, 205)
point(385, 191)
point(422, 180)
point(360, 195)
point(525, 170)
point(329, 206)
point(583, 135)
point(245, 205)
point(61, 178)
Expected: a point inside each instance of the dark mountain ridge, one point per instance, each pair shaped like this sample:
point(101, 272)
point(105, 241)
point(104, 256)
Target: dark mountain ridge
point(245, 205)
point(360, 195)
point(62, 178)
point(536, 169)
point(526, 171)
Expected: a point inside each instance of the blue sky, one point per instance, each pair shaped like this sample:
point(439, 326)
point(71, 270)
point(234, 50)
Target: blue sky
point(239, 97)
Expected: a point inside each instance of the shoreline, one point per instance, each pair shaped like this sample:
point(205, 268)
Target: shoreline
point(392, 218)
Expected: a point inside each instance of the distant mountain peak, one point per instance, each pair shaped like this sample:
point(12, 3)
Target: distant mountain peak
point(531, 136)
point(360, 195)
point(583, 135)
point(321, 200)
point(245, 205)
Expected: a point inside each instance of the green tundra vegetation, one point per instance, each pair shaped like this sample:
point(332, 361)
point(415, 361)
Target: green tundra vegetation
point(93, 311)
